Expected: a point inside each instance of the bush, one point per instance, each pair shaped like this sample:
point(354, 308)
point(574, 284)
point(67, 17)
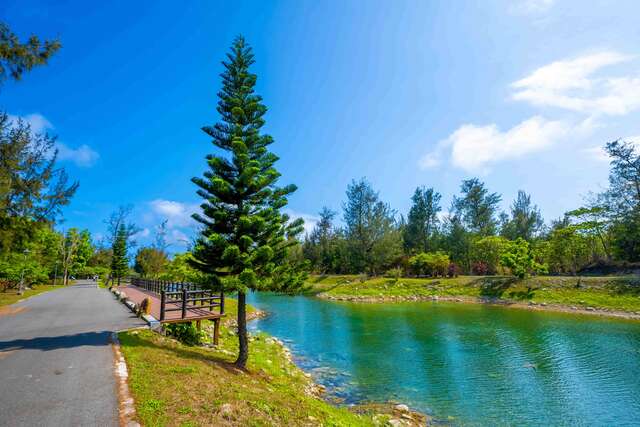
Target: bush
point(187, 333)
point(430, 264)
point(480, 268)
point(394, 273)
point(453, 270)
point(363, 277)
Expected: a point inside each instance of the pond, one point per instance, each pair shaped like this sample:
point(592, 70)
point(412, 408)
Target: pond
point(465, 364)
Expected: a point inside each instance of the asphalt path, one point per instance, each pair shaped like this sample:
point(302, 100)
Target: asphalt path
point(56, 358)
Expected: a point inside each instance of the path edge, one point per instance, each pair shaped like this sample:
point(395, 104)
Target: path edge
point(126, 407)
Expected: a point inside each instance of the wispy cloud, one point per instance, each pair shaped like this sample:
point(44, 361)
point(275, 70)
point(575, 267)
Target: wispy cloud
point(83, 156)
point(575, 84)
point(37, 121)
point(176, 213)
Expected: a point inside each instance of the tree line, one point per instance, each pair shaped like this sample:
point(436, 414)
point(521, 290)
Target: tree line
point(475, 237)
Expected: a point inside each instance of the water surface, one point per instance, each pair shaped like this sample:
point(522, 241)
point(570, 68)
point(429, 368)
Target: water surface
point(466, 364)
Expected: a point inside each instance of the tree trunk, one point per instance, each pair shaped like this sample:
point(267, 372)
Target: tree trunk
point(66, 277)
point(243, 354)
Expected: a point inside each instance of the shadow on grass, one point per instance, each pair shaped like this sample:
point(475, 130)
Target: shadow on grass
point(494, 287)
point(181, 352)
point(625, 287)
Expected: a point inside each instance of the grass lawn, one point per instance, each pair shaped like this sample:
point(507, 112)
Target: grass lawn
point(613, 293)
point(177, 385)
point(11, 296)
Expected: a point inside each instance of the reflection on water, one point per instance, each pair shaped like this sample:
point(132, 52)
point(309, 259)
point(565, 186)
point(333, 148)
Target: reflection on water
point(469, 364)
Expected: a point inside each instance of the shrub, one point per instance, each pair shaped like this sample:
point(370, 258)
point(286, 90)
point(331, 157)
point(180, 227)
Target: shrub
point(187, 333)
point(480, 268)
point(430, 264)
point(363, 277)
point(521, 259)
point(394, 273)
point(453, 270)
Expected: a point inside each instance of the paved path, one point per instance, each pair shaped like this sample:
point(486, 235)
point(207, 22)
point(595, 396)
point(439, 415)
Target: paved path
point(56, 360)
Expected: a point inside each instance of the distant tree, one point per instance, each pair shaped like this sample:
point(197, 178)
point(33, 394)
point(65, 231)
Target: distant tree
point(119, 258)
point(477, 208)
point(373, 240)
point(622, 199)
point(593, 221)
point(422, 221)
point(245, 237)
point(458, 242)
point(84, 251)
point(69, 252)
point(17, 57)
point(567, 249)
point(486, 253)
point(150, 262)
point(526, 220)
point(520, 258)
point(320, 245)
point(119, 219)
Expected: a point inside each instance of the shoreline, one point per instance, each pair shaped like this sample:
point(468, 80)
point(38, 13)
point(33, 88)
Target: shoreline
point(533, 306)
point(398, 413)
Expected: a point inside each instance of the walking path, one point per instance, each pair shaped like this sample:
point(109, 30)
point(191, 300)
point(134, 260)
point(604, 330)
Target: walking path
point(56, 360)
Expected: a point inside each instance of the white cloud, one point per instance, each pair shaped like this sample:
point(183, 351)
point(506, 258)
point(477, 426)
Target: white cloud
point(474, 148)
point(177, 214)
point(83, 156)
point(310, 221)
point(37, 121)
point(575, 84)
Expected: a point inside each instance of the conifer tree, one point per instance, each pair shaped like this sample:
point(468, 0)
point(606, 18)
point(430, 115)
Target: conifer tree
point(119, 260)
point(245, 237)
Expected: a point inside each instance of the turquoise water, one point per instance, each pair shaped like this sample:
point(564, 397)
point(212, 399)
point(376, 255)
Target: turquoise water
point(466, 364)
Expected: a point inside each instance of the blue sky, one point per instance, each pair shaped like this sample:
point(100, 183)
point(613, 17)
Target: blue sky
point(520, 93)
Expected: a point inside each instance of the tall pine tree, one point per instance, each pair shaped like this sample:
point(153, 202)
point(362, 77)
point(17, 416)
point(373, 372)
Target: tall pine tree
point(119, 260)
point(245, 237)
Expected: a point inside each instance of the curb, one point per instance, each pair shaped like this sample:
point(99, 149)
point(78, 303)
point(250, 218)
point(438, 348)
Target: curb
point(126, 408)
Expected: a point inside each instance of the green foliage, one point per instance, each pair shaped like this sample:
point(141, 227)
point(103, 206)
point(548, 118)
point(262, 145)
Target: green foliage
point(422, 222)
point(150, 262)
point(119, 259)
point(488, 251)
point(430, 264)
point(373, 240)
point(477, 208)
point(519, 257)
point(187, 333)
point(526, 220)
point(17, 57)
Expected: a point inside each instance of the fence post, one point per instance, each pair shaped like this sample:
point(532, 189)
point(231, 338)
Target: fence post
point(184, 303)
point(221, 302)
point(162, 304)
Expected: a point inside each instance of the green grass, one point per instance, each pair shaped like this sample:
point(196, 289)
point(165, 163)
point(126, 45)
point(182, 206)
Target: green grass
point(173, 384)
point(612, 293)
point(177, 385)
point(11, 296)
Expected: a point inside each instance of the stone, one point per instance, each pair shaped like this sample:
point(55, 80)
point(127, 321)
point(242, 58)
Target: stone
point(226, 410)
point(394, 422)
point(401, 408)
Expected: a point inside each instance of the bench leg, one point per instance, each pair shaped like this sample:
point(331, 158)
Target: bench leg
point(216, 331)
